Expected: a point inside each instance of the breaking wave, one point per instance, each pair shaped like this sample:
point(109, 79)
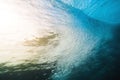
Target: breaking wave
point(65, 39)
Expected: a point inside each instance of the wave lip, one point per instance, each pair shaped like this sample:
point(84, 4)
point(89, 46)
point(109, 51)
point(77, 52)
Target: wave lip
point(107, 10)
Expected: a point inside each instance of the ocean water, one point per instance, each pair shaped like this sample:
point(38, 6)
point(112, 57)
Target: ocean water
point(59, 40)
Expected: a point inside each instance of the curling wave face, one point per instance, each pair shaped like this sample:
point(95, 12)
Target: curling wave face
point(63, 36)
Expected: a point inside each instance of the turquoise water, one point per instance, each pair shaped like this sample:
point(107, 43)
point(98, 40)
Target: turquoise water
point(60, 40)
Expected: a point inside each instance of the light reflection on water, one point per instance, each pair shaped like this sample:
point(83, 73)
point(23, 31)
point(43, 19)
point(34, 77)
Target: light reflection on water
point(43, 37)
point(26, 42)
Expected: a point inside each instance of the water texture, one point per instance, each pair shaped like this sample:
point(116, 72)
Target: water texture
point(59, 40)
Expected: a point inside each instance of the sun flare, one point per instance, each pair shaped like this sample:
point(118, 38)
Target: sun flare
point(18, 27)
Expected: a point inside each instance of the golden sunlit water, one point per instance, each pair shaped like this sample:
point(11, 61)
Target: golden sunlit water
point(23, 39)
point(59, 39)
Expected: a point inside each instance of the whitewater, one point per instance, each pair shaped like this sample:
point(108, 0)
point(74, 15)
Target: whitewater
point(59, 40)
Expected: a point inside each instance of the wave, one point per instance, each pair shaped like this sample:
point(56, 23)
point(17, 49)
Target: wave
point(75, 37)
point(86, 36)
point(107, 10)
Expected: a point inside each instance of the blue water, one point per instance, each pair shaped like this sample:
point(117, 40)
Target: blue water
point(87, 45)
point(107, 10)
point(93, 55)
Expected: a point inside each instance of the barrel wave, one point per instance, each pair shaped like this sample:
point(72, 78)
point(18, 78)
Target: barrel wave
point(60, 40)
